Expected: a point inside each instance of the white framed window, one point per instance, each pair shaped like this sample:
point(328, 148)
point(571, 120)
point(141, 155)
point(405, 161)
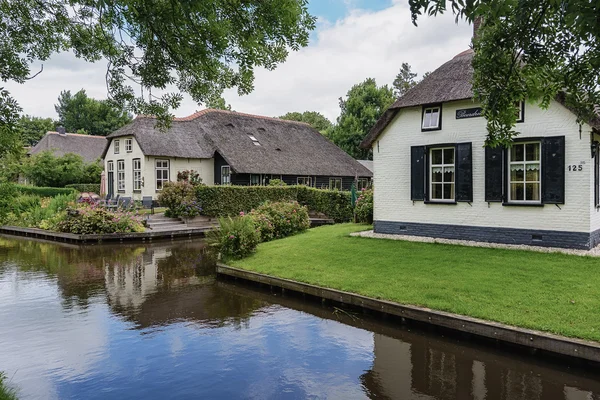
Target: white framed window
point(304, 180)
point(137, 175)
point(524, 178)
point(335, 183)
point(255, 180)
point(521, 111)
point(225, 175)
point(117, 146)
point(121, 175)
point(128, 145)
point(441, 174)
point(431, 117)
point(162, 173)
point(363, 183)
point(110, 166)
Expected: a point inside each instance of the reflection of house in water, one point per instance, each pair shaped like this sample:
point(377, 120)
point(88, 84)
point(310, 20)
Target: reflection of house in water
point(426, 368)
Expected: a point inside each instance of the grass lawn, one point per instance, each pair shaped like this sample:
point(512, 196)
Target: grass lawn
point(550, 292)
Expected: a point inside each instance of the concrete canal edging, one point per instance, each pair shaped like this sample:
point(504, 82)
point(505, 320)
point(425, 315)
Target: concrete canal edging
point(559, 345)
point(101, 238)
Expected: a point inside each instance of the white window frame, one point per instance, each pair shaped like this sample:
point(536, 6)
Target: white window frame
point(117, 146)
point(110, 166)
point(443, 166)
point(524, 163)
point(333, 183)
point(363, 183)
point(137, 174)
point(120, 176)
point(159, 182)
point(128, 145)
point(521, 113)
point(427, 118)
point(225, 176)
point(259, 183)
point(302, 180)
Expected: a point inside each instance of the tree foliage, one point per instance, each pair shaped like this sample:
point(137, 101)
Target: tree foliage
point(198, 47)
point(364, 104)
point(529, 49)
point(46, 169)
point(404, 81)
point(218, 103)
point(32, 129)
point(80, 113)
point(313, 118)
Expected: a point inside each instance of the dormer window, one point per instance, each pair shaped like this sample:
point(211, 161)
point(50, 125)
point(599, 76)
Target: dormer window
point(432, 118)
point(254, 140)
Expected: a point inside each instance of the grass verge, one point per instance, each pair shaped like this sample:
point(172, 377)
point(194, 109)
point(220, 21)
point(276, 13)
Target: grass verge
point(550, 292)
point(6, 393)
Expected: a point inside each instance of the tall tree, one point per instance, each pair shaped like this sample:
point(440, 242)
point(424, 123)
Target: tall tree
point(218, 103)
point(80, 113)
point(364, 104)
point(405, 80)
point(197, 47)
point(313, 118)
point(530, 49)
point(32, 129)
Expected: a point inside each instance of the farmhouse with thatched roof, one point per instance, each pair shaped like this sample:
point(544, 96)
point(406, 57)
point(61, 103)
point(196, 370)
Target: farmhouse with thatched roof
point(435, 178)
point(90, 148)
point(225, 147)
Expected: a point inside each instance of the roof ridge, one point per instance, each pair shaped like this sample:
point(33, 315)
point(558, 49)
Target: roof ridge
point(201, 113)
point(74, 134)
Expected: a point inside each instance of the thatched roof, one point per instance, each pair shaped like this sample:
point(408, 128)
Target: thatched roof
point(286, 147)
point(368, 164)
point(90, 148)
point(450, 82)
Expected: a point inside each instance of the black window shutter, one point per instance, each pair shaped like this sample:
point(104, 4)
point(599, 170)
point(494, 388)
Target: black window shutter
point(464, 172)
point(494, 173)
point(417, 173)
point(553, 170)
point(596, 175)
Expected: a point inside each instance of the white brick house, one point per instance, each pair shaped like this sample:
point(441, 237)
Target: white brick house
point(435, 178)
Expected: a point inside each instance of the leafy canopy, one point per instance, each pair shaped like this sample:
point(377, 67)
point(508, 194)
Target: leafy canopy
point(313, 118)
point(46, 169)
point(155, 49)
point(529, 49)
point(32, 129)
point(364, 104)
point(80, 113)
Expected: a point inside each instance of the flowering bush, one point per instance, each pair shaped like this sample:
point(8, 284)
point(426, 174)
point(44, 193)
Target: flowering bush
point(191, 176)
point(236, 237)
point(189, 208)
point(95, 220)
point(174, 194)
point(364, 206)
point(278, 220)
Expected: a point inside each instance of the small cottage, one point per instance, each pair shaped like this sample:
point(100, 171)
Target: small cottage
point(90, 148)
point(225, 147)
point(435, 177)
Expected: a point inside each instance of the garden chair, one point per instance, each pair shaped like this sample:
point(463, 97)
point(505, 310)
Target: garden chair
point(125, 203)
point(148, 203)
point(113, 204)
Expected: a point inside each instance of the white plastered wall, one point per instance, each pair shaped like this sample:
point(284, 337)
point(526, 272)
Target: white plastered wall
point(391, 153)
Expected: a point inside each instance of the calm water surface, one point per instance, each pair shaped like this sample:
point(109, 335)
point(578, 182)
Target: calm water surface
point(151, 321)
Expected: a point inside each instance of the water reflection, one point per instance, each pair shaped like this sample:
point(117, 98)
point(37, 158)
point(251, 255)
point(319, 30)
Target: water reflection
point(151, 321)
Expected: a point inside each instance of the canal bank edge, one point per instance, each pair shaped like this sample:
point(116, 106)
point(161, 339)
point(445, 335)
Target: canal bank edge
point(560, 345)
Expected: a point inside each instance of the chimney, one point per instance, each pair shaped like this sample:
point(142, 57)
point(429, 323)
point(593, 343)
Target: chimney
point(476, 24)
point(61, 130)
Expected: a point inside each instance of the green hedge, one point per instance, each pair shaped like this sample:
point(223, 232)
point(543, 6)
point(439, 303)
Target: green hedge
point(85, 187)
point(43, 191)
point(219, 201)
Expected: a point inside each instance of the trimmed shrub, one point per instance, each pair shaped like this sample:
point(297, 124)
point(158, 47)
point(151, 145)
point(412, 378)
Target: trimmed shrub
point(174, 194)
point(44, 191)
point(218, 201)
point(85, 187)
point(364, 206)
point(236, 237)
point(277, 182)
point(278, 220)
point(96, 220)
point(8, 192)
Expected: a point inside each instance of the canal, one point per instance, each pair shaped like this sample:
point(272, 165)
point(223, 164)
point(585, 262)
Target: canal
point(151, 321)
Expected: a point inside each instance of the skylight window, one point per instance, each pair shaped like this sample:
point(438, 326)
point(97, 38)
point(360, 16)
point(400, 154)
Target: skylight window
point(254, 140)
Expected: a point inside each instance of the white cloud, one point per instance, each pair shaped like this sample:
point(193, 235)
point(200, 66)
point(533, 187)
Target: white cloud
point(363, 44)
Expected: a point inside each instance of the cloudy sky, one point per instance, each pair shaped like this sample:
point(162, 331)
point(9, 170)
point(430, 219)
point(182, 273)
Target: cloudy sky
point(354, 40)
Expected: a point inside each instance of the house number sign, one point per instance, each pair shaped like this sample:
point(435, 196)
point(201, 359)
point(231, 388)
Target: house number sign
point(575, 168)
point(469, 113)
